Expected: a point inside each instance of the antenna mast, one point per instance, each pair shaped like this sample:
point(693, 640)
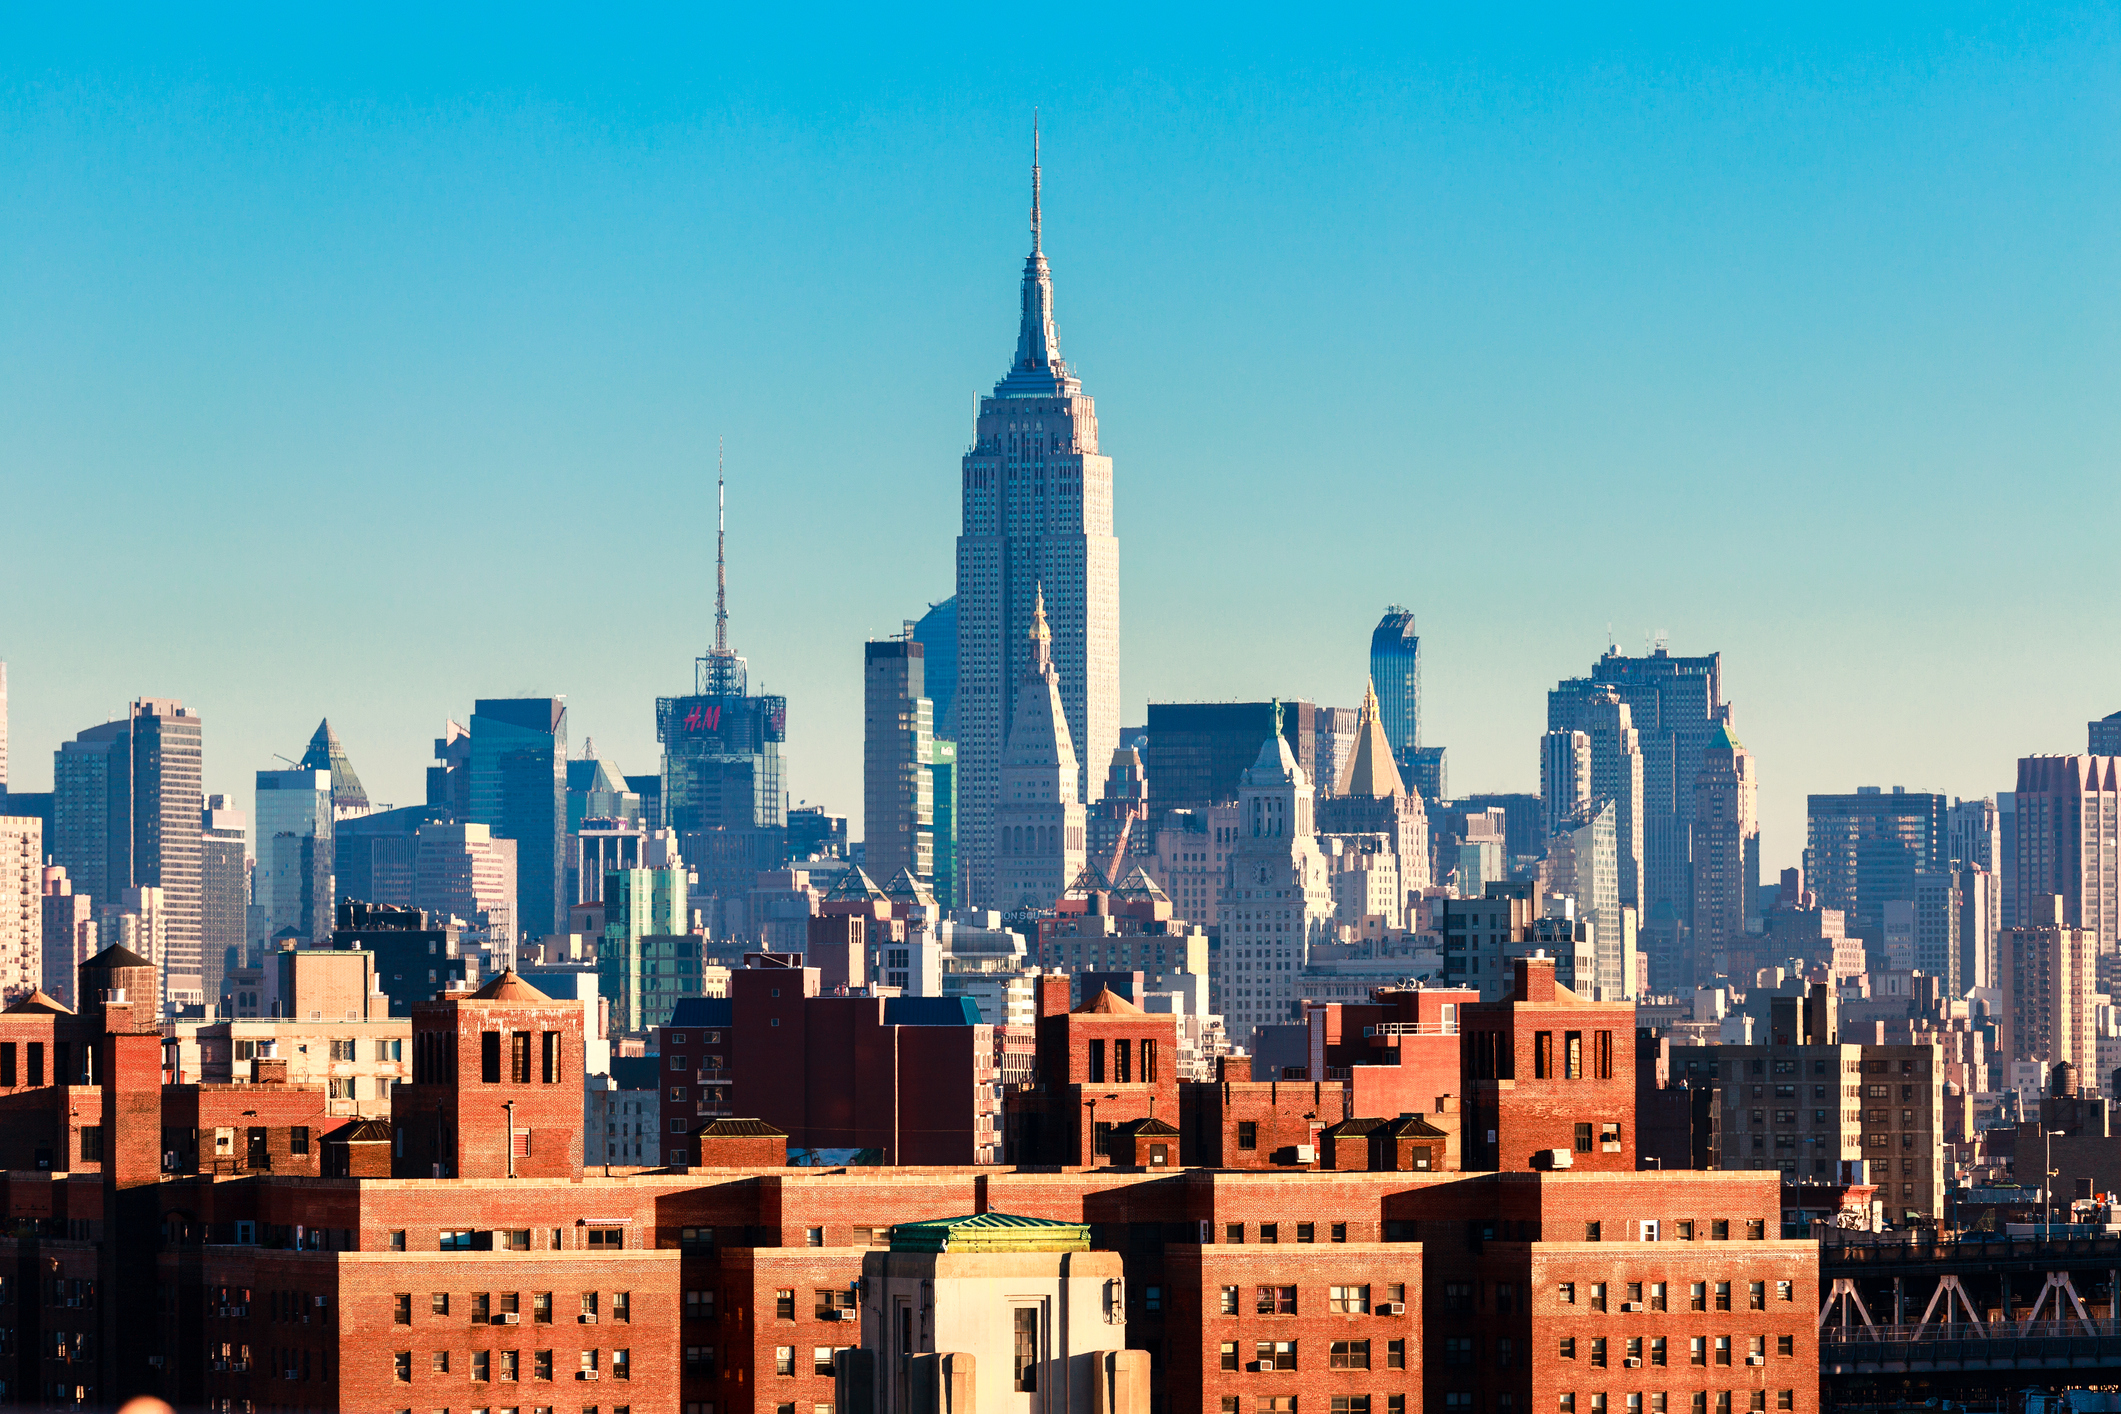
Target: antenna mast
point(1037, 235)
point(721, 564)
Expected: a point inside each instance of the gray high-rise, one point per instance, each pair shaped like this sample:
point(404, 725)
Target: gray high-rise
point(127, 805)
point(1864, 850)
point(224, 893)
point(1037, 515)
point(898, 802)
point(1618, 769)
point(519, 792)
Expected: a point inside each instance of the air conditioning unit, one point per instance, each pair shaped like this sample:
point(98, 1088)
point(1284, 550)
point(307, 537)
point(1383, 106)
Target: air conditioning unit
point(1391, 1308)
point(1559, 1158)
point(585, 1374)
point(1633, 1362)
point(508, 1318)
point(589, 1320)
point(847, 1313)
point(1631, 1305)
point(1756, 1359)
point(1306, 1154)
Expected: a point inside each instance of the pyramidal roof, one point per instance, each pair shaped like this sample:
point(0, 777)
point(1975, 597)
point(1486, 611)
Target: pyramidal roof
point(855, 884)
point(1108, 1003)
point(904, 886)
point(42, 1003)
point(325, 754)
point(1371, 771)
point(1138, 885)
point(1724, 739)
point(1275, 762)
point(508, 988)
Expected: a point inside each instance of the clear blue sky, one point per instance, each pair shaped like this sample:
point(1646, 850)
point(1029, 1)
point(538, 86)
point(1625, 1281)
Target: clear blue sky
point(364, 364)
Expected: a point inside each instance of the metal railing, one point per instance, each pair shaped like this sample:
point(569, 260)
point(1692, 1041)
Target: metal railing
point(1998, 1331)
point(1412, 1028)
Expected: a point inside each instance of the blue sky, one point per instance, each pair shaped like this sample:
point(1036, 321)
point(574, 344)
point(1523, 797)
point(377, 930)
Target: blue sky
point(362, 364)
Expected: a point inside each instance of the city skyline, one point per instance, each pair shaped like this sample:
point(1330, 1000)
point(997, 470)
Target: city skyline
point(1860, 462)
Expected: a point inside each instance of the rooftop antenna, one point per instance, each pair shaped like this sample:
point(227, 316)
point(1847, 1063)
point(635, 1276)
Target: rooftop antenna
point(721, 564)
point(1037, 236)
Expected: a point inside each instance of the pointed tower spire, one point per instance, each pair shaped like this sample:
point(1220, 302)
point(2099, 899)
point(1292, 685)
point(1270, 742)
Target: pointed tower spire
point(1039, 369)
point(721, 563)
point(1040, 635)
point(1037, 233)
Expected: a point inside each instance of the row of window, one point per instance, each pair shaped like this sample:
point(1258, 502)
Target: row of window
point(1697, 1402)
point(1336, 1404)
point(1650, 1296)
point(496, 1308)
point(1270, 1233)
point(487, 1365)
point(783, 1358)
point(1699, 1348)
point(229, 1407)
point(1281, 1300)
point(1270, 1355)
point(513, 1239)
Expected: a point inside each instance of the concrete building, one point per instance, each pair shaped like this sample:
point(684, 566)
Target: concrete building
point(69, 932)
point(1035, 541)
point(1199, 751)
point(1564, 777)
point(1041, 835)
point(1190, 861)
point(1277, 899)
point(2069, 844)
point(21, 905)
point(465, 872)
point(294, 879)
point(1598, 710)
point(2049, 976)
point(1726, 850)
point(898, 802)
point(1369, 797)
point(127, 803)
point(2103, 737)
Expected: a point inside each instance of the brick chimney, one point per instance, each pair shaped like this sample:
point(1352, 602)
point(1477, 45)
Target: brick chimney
point(1535, 979)
point(1052, 994)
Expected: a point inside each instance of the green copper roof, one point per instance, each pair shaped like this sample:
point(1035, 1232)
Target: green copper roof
point(990, 1232)
point(1723, 739)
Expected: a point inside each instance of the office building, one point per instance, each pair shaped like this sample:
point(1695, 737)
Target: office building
point(1938, 910)
point(416, 956)
point(21, 906)
point(1277, 899)
point(1395, 676)
point(898, 804)
point(1199, 751)
point(127, 802)
point(936, 632)
point(1973, 834)
point(1564, 777)
point(596, 791)
point(942, 793)
point(2103, 737)
point(1041, 836)
point(1369, 797)
point(2069, 842)
point(348, 800)
point(1036, 528)
point(650, 901)
point(372, 856)
point(294, 879)
point(815, 833)
point(2048, 973)
point(518, 791)
point(463, 872)
point(224, 892)
point(1334, 731)
point(1582, 864)
point(1119, 821)
point(1980, 915)
point(1618, 769)
point(1726, 850)
point(1866, 848)
point(69, 932)
point(724, 791)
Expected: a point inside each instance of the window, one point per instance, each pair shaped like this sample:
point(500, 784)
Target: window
point(813, 1237)
point(1657, 1296)
point(1568, 1403)
point(1396, 1355)
point(1457, 1350)
point(1575, 1056)
point(1656, 1350)
point(1351, 1404)
point(607, 1237)
point(481, 1307)
point(1567, 1347)
point(1275, 1301)
point(1756, 1296)
point(1233, 1233)
point(1270, 1232)
point(1697, 1350)
point(622, 1305)
point(490, 1057)
point(589, 1307)
point(1275, 1354)
point(784, 1304)
point(298, 1139)
point(401, 1367)
point(1353, 1355)
point(541, 1308)
point(1229, 1355)
point(1685, 1228)
point(1505, 1297)
point(397, 1239)
point(1542, 1055)
point(1096, 1063)
point(1349, 1300)
point(1723, 1296)
point(1719, 1230)
point(1785, 1345)
point(481, 1366)
point(1306, 1232)
point(454, 1241)
point(1634, 1353)
point(1723, 1350)
point(1566, 1291)
point(510, 1365)
point(438, 1304)
point(1247, 1132)
point(784, 1359)
point(401, 1309)
point(1228, 1306)
point(1698, 1296)
point(541, 1365)
point(1598, 1352)
point(1024, 1353)
point(1597, 1296)
point(622, 1364)
point(1785, 1399)
point(1340, 1232)
point(439, 1362)
point(1755, 1229)
point(1152, 1298)
point(513, 1239)
point(1583, 1139)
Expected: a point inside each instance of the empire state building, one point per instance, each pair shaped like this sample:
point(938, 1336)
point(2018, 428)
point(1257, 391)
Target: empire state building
point(1037, 517)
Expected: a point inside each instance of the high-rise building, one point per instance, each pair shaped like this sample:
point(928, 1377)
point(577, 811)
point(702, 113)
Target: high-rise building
point(723, 788)
point(127, 801)
point(1583, 862)
point(1564, 777)
point(1277, 899)
point(1972, 833)
point(3, 728)
point(1866, 848)
point(1042, 837)
point(2069, 843)
point(69, 921)
point(519, 792)
point(1037, 517)
point(936, 632)
point(1199, 751)
point(465, 871)
point(1426, 773)
point(1618, 768)
point(1726, 849)
point(2103, 736)
point(1119, 822)
point(295, 894)
point(639, 904)
point(1980, 916)
point(348, 800)
point(1395, 675)
point(2048, 972)
point(942, 790)
point(21, 907)
point(898, 803)
point(1939, 911)
point(224, 891)
point(1370, 798)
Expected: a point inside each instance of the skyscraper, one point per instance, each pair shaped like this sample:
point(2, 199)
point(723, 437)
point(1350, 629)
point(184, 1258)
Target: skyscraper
point(942, 790)
point(1395, 675)
point(1973, 833)
point(1370, 798)
point(127, 802)
point(723, 790)
point(1037, 511)
point(519, 792)
point(69, 934)
point(1564, 778)
point(1726, 849)
point(1277, 897)
point(294, 879)
point(2104, 735)
point(1618, 770)
point(224, 892)
point(898, 803)
point(348, 800)
point(1042, 835)
point(937, 635)
point(2069, 844)
point(1864, 849)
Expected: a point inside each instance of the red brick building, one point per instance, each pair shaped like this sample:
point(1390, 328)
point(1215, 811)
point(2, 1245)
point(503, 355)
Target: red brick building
point(496, 1086)
point(1551, 1078)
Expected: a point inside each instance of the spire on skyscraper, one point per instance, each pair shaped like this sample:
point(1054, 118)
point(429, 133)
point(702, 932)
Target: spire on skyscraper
point(721, 673)
point(1037, 235)
point(1039, 369)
